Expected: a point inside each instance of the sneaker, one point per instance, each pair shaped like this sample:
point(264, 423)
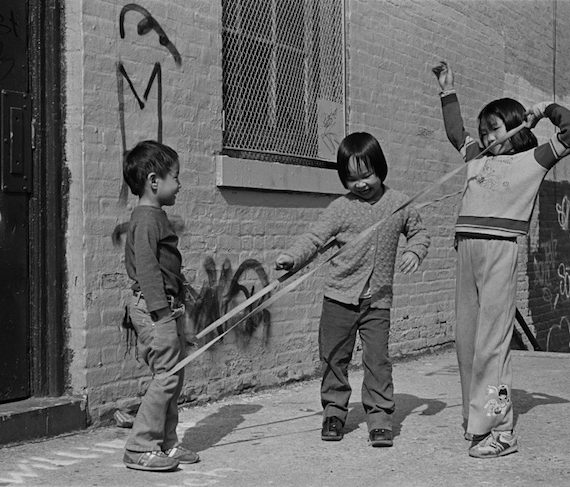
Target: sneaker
point(496, 444)
point(123, 420)
point(332, 429)
point(182, 454)
point(152, 461)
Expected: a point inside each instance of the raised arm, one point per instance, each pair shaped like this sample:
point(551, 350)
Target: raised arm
point(452, 119)
point(548, 154)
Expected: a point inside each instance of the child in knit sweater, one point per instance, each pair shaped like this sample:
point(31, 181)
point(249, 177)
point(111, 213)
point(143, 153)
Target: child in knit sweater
point(358, 290)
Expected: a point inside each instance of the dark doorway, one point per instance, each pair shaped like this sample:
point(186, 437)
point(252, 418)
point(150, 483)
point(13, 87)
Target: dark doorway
point(31, 220)
point(16, 165)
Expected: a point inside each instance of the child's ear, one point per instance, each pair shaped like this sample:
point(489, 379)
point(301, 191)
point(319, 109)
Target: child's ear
point(152, 180)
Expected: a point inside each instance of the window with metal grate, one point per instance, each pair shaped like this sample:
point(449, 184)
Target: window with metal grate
point(283, 80)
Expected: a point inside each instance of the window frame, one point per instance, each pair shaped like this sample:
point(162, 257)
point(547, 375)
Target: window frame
point(245, 154)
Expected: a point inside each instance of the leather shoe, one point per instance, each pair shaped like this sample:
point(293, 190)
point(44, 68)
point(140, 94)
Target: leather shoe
point(332, 429)
point(380, 437)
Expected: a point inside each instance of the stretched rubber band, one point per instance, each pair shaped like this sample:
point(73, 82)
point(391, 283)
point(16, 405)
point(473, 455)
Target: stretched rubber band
point(292, 285)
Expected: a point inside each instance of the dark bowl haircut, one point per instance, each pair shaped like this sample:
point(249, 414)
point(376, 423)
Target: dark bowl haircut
point(511, 112)
point(366, 150)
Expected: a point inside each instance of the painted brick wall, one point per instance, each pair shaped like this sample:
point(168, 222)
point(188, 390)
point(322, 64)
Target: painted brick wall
point(496, 48)
point(549, 268)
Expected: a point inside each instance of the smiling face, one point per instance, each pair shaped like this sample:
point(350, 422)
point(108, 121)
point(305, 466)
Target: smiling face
point(491, 129)
point(168, 186)
point(363, 182)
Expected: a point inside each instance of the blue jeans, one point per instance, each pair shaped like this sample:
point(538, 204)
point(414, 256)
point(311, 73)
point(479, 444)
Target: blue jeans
point(337, 337)
point(161, 345)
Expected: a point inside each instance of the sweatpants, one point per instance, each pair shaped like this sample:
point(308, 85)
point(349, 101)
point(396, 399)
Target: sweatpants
point(161, 345)
point(485, 306)
point(337, 336)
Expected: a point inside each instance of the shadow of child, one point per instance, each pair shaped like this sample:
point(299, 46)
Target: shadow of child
point(405, 405)
point(210, 430)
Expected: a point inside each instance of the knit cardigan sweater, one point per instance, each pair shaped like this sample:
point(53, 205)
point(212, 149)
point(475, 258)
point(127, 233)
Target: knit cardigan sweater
point(371, 260)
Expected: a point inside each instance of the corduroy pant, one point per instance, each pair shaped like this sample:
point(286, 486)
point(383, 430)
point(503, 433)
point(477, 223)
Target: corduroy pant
point(337, 336)
point(485, 306)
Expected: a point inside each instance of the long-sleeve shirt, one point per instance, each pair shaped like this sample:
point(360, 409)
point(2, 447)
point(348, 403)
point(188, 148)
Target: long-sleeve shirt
point(152, 258)
point(370, 261)
point(501, 190)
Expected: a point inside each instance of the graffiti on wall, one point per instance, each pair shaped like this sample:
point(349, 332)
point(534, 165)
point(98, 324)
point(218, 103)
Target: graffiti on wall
point(218, 294)
point(144, 26)
point(222, 291)
point(549, 269)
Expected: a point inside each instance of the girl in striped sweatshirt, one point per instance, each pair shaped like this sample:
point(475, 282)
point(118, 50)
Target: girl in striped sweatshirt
point(496, 207)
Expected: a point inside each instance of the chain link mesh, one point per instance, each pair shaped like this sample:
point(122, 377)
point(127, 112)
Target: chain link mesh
point(283, 77)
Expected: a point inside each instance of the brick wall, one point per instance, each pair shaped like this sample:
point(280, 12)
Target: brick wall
point(496, 48)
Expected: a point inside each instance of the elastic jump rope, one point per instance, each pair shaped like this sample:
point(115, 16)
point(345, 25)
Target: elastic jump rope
point(277, 284)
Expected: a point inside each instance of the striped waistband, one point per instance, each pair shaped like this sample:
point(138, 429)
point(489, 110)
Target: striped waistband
point(482, 236)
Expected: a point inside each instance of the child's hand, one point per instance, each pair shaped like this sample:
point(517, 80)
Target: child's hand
point(284, 262)
point(410, 262)
point(444, 75)
point(535, 113)
point(160, 314)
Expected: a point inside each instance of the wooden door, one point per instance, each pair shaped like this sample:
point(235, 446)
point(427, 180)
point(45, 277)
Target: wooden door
point(15, 188)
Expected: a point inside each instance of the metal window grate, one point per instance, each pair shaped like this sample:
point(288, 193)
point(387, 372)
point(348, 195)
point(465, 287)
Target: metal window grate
point(283, 68)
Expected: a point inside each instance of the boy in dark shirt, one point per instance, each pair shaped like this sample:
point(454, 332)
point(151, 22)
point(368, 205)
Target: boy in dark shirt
point(154, 263)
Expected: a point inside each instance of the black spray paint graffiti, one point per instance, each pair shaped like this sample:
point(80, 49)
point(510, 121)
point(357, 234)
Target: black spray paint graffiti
point(144, 26)
point(219, 294)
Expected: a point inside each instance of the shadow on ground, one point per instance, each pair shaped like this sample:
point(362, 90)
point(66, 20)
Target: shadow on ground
point(524, 401)
point(211, 430)
point(405, 405)
point(215, 427)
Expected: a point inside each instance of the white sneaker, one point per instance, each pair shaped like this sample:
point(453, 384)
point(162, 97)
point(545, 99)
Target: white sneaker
point(497, 444)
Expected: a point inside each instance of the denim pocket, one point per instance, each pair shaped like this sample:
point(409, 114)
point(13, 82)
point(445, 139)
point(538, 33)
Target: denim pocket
point(156, 339)
point(144, 327)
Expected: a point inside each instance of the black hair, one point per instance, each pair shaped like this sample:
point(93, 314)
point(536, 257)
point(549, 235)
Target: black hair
point(144, 158)
point(511, 112)
point(366, 150)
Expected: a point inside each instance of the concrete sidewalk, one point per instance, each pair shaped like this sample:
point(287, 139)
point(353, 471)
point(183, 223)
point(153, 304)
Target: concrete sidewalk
point(272, 438)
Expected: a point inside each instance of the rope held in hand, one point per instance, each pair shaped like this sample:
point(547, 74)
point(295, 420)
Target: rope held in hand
point(276, 284)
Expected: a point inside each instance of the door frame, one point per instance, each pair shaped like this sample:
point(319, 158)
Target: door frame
point(48, 214)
